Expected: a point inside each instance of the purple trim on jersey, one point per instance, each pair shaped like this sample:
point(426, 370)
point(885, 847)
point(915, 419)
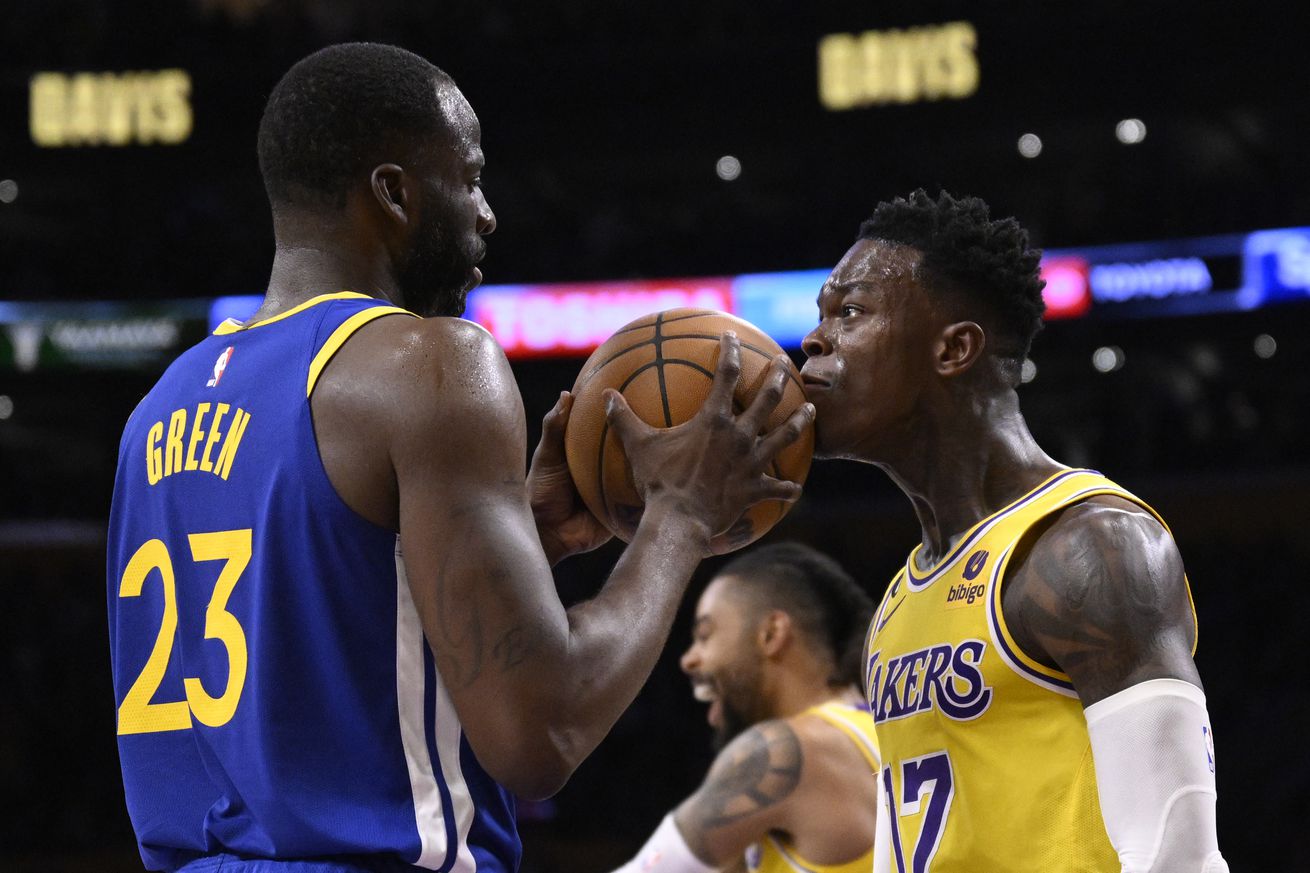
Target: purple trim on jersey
point(792, 859)
point(917, 583)
point(1012, 657)
point(889, 795)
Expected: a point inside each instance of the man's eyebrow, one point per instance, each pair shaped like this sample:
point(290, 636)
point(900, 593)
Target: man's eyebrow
point(842, 287)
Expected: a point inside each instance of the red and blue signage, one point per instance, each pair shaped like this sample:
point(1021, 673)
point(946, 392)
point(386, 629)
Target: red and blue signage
point(1135, 280)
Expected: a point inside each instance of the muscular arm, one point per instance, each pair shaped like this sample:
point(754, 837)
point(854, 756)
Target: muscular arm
point(536, 687)
point(778, 776)
point(748, 792)
point(1101, 595)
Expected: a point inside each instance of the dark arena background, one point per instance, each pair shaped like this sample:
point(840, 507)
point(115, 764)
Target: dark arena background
point(1157, 150)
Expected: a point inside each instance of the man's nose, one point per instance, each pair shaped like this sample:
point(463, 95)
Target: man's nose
point(815, 343)
point(486, 218)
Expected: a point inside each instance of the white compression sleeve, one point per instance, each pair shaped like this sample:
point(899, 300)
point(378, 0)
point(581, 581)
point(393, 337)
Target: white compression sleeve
point(665, 852)
point(1154, 757)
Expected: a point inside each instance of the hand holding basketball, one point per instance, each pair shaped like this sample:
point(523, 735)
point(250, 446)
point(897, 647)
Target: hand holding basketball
point(564, 524)
point(672, 407)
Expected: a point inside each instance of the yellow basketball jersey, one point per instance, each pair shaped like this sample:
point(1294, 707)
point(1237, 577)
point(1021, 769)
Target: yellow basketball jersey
point(774, 854)
point(987, 765)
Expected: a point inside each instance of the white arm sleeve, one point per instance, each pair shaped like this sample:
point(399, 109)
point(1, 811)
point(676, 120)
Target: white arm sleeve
point(1154, 757)
point(665, 852)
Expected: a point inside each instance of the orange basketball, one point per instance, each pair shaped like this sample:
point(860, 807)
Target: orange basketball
point(664, 364)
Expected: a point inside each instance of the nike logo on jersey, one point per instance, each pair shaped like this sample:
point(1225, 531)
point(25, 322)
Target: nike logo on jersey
point(888, 617)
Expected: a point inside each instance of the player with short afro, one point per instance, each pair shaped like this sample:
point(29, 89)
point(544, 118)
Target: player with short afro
point(965, 252)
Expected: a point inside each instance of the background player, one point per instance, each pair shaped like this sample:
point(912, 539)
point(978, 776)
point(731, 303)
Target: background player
point(1037, 592)
point(776, 652)
point(334, 630)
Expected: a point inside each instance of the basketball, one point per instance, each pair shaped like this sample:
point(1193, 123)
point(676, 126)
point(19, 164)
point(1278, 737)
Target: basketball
point(663, 364)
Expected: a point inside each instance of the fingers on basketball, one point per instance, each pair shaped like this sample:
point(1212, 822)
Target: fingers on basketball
point(667, 366)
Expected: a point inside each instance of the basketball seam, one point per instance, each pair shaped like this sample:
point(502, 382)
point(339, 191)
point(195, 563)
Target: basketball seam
point(659, 364)
point(693, 365)
point(700, 314)
point(600, 474)
point(795, 379)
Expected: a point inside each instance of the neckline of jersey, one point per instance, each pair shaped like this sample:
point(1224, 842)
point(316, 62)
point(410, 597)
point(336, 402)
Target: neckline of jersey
point(918, 582)
point(232, 326)
point(840, 701)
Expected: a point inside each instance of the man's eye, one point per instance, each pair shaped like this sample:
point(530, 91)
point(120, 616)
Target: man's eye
point(849, 310)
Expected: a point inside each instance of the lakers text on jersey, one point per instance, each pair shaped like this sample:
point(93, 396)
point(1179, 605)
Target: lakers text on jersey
point(987, 764)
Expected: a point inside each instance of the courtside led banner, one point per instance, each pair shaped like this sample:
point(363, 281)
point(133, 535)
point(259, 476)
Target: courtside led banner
point(546, 320)
point(1132, 280)
point(536, 320)
point(1135, 280)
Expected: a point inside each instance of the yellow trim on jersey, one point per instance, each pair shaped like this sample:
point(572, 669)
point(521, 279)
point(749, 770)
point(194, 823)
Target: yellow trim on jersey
point(914, 575)
point(788, 856)
point(840, 716)
point(776, 854)
point(987, 763)
point(997, 614)
point(231, 326)
point(339, 336)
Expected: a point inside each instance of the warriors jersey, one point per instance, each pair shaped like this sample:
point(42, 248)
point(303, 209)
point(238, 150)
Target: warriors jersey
point(775, 854)
point(275, 696)
point(987, 764)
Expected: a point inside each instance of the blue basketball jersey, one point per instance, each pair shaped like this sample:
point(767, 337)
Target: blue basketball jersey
point(275, 696)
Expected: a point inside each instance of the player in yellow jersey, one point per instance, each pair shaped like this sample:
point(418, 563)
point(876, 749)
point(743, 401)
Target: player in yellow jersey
point(1030, 669)
point(776, 653)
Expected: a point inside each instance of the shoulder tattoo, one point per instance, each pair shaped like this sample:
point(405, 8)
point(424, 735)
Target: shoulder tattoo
point(756, 770)
point(1102, 596)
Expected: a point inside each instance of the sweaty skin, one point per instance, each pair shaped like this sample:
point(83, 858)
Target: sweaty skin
point(422, 430)
point(902, 379)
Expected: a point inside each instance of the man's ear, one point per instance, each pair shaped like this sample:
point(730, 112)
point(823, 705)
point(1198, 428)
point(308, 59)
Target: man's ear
point(390, 189)
point(959, 346)
point(775, 632)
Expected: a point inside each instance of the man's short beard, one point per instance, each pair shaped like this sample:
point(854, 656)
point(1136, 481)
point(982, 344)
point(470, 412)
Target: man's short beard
point(436, 277)
point(735, 719)
point(732, 724)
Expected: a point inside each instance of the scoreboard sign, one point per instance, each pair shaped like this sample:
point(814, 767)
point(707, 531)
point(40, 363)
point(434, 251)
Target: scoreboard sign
point(110, 109)
point(877, 67)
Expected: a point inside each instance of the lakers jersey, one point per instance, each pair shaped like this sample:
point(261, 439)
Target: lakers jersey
point(775, 854)
point(275, 696)
point(987, 764)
